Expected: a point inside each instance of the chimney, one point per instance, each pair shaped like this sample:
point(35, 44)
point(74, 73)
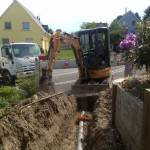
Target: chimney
point(126, 10)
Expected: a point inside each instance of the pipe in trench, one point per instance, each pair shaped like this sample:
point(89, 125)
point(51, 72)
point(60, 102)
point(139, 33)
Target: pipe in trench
point(80, 134)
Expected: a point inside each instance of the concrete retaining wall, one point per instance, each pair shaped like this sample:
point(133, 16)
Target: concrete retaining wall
point(131, 118)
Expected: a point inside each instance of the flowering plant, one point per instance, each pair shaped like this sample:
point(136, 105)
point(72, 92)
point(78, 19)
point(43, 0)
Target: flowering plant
point(128, 44)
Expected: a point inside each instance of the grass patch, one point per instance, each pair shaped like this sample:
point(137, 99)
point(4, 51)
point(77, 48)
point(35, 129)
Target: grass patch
point(9, 95)
point(65, 54)
point(28, 85)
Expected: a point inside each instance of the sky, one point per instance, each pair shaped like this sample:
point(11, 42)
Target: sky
point(68, 15)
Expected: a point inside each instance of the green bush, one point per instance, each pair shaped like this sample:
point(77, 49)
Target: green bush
point(143, 51)
point(9, 95)
point(27, 85)
point(3, 102)
point(116, 32)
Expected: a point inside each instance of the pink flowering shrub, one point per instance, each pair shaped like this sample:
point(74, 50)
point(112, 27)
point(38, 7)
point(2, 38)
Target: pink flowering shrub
point(129, 42)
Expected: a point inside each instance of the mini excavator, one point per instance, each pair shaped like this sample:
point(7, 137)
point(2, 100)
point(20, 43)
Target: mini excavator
point(91, 51)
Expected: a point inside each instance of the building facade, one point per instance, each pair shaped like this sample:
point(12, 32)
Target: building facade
point(18, 24)
point(129, 21)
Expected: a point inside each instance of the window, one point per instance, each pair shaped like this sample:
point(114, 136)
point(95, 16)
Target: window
point(82, 41)
point(101, 41)
point(92, 41)
point(5, 41)
point(25, 26)
point(86, 40)
point(7, 25)
point(4, 51)
point(25, 50)
point(133, 23)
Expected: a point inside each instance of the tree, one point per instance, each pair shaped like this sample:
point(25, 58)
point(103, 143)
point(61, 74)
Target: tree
point(147, 13)
point(88, 25)
point(137, 15)
point(115, 25)
point(119, 17)
point(143, 51)
point(50, 31)
point(116, 32)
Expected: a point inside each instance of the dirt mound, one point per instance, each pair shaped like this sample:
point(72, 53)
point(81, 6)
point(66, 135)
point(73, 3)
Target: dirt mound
point(41, 125)
point(136, 85)
point(101, 135)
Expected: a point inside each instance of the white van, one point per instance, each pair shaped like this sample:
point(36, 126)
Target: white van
point(17, 60)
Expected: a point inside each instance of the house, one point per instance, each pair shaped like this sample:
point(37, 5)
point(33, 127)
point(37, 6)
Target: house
point(128, 21)
point(18, 24)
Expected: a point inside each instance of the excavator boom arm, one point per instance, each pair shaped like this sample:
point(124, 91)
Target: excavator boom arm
point(56, 39)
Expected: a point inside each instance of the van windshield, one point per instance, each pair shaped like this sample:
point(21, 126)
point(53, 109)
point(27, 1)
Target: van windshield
point(25, 50)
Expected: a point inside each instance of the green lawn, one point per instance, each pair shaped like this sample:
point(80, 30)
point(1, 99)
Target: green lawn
point(65, 54)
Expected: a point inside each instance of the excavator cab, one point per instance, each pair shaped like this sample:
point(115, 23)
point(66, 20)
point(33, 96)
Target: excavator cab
point(94, 49)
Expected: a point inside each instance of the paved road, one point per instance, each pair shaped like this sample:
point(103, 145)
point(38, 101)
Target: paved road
point(64, 78)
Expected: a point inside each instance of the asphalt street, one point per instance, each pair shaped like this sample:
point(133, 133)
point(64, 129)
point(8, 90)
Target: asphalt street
point(64, 78)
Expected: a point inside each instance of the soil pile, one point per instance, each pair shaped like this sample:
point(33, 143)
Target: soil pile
point(43, 125)
point(101, 135)
point(136, 85)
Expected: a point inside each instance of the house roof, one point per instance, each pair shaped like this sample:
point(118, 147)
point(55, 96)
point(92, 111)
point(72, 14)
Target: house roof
point(129, 13)
point(34, 18)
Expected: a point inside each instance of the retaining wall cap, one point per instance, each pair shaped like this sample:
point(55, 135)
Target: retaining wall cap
point(148, 90)
point(118, 80)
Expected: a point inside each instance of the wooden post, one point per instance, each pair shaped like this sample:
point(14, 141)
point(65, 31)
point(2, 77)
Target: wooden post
point(37, 73)
point(146, 121)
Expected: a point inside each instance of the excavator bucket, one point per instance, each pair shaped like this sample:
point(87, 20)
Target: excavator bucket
point(87, 90)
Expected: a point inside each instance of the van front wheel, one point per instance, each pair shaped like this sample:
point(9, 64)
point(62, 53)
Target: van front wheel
point(8, 79)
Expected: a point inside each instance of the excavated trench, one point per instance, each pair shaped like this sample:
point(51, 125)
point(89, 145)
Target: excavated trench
point(46, 122)
point(100, 133)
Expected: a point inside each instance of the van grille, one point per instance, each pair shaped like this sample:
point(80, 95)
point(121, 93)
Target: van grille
point(29, 68)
